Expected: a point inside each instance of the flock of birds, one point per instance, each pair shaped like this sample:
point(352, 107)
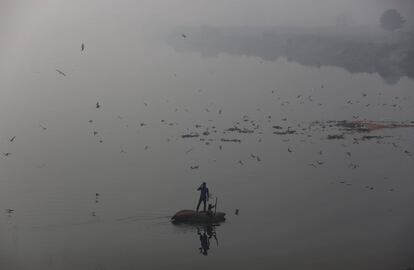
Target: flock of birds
point(208, 133)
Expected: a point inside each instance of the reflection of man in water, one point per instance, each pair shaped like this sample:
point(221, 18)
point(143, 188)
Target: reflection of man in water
point(211, 232)
point(204, 196)
point(204, 241)
point(206, 233)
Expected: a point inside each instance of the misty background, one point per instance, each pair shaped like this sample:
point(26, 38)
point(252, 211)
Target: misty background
point(163, 69)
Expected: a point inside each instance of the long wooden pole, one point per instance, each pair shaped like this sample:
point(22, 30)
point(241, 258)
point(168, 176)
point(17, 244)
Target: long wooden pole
point(215, 207)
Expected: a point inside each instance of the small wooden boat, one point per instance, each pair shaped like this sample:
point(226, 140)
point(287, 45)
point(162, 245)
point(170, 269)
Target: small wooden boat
point(191, 216)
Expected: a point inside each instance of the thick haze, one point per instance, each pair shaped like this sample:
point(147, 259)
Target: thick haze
point(23, 24)
point(100, 147)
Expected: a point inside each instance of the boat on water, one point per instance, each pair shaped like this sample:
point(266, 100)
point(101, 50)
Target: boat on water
point(191, 216)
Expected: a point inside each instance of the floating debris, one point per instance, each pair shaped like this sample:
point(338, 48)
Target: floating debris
point(191, 135)
point(335, 136)
point(239, 130)
point(367, 126)
point(231, 140)
point(368, 137)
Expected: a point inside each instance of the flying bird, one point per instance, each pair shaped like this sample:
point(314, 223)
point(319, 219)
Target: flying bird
point(290, 151)
point(43, 127)
point(98, 105)
point(82, 47)
point(61, 72)
point(184, 35)
point(12, 138)
point(7, 154)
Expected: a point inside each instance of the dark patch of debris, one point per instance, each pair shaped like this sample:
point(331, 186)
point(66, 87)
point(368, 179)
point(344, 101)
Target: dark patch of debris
point(336, 137)
point(191, 135)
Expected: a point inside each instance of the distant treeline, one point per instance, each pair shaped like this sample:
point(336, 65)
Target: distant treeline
point(390, 57)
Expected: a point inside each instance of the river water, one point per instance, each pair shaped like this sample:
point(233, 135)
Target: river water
point(94, 188)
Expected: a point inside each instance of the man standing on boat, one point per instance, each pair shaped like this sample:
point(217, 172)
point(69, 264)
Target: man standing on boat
point(204, 196)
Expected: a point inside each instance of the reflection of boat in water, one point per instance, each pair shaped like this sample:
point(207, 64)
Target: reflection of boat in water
point(191, 216)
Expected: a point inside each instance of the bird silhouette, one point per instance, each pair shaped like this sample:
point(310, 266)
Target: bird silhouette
point(12, 138)
point(61, 72)
point(184, 35)
point(98, 105)
point(43, 127)
point(82, 47)
point(290, 151)
point(7, 154)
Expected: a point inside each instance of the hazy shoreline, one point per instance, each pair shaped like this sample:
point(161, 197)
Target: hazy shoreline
point(390, 57)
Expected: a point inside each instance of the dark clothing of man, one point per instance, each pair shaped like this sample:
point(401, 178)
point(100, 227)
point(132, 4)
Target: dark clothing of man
point(204, 192)
point(204, 195)
point(204, 200)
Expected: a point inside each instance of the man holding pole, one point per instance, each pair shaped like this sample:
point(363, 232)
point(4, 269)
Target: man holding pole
point(204, 196)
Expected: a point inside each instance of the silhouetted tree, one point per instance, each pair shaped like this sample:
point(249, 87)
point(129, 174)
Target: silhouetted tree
point(391, 20)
